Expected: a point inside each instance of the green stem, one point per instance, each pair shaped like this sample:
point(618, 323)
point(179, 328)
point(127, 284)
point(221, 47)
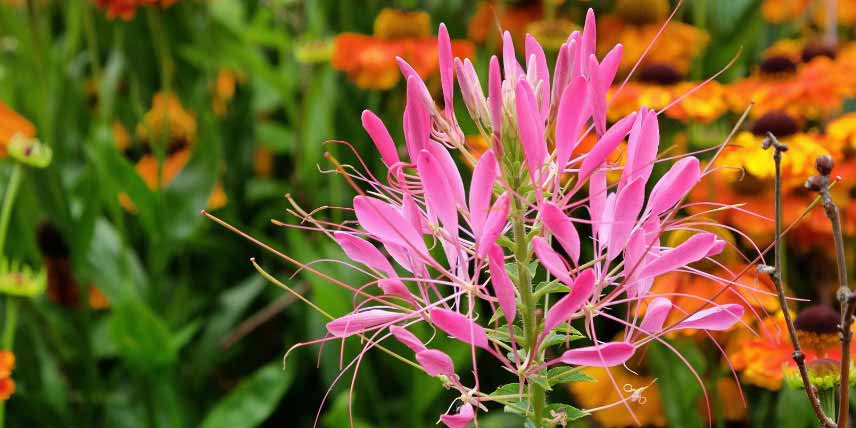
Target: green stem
point(8, 202)
point(155, 21)
point(827, 400)
point(537, 396)
point(9, 325)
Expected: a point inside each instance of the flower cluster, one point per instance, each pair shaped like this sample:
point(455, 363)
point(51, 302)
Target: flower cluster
point(127, 9)
point(510, 240)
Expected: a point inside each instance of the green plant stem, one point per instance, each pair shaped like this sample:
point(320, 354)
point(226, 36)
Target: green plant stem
point(158, 29)
point(10, 323)
point(537, 396)
point(8, 202)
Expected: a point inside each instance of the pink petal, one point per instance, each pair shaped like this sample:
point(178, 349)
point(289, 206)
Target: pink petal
point(562, 73)
point(598, 99)
point(531, 127)
point(436, 362)
point(551, 260)
point(532, 48)
point(608, 68)
point(381, 138)
point(717, 318)
point(503, 288)
point(605, 145)
point(674, 185)
point(572, 116)
point(575, 41)
point(383, 221)
point(717, 248)
point(407, 338)
point(494, 85)
point(497, 218)
point(690, 251)
point(437, 191)
point(471, 89)
point(641, 148)
point(565, 307)
point(447, 76)
point(627, 207)
point(481, 190)
point(450, 169)
point(589, 38)
point(597, 198)
point(603, 355)
point(361, 321)
point(362, 251)
point(655, 315)
point(460, 327)
point(421, 89)
point(510, 66)
point(563, 229)
point(417, 120)
point(394, 287)
point(460, 420)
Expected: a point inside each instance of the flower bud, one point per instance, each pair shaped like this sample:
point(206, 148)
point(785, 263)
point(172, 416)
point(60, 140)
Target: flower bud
point(814, 183)
point(824, 164)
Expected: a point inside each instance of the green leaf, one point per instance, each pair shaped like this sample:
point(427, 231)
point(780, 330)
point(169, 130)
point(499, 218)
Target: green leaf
point(571, 413)
point(508, 389)
point(793, 410)
point(559, 375)
point(253, 400)
point(142, 338)
point(678, 387)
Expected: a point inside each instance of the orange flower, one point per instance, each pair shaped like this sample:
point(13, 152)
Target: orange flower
point(846, 11)
point(12, 124)
point(635, 25)
point(763, 358)
point(167, 122)
point(781, 11)
point(7, 363)
point(127, 9)
point(649, 409)
point(7, 388)
point(223, 90)
point(512, 17)
point(601, 392)
point(369, 61)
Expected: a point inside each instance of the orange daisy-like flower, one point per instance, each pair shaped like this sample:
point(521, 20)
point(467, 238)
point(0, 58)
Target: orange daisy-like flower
point(648, 408)
point(658, 85)
point(812, 86)
point(12, 124)
point(369, 61)
point(169, 124)
point(635, 24)
point(782, 11)
point(763, 359)
point(127, 9)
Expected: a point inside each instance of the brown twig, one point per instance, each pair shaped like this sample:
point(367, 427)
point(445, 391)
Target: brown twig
point(846, 297)
point(775, 273)
point(259, 318)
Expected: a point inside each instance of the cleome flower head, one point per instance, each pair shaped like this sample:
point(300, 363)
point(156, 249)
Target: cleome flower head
point(540, 237)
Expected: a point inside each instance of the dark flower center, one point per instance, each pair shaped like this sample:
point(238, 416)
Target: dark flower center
point(777, 65)
point(659, 74)
point(814, 50)
point(819, 319)
point(777, 122)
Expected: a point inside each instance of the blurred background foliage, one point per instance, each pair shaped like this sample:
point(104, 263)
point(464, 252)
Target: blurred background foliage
point(156, 109)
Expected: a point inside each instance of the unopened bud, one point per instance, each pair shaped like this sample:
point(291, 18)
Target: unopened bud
point(814, 183)
point(824, 164)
